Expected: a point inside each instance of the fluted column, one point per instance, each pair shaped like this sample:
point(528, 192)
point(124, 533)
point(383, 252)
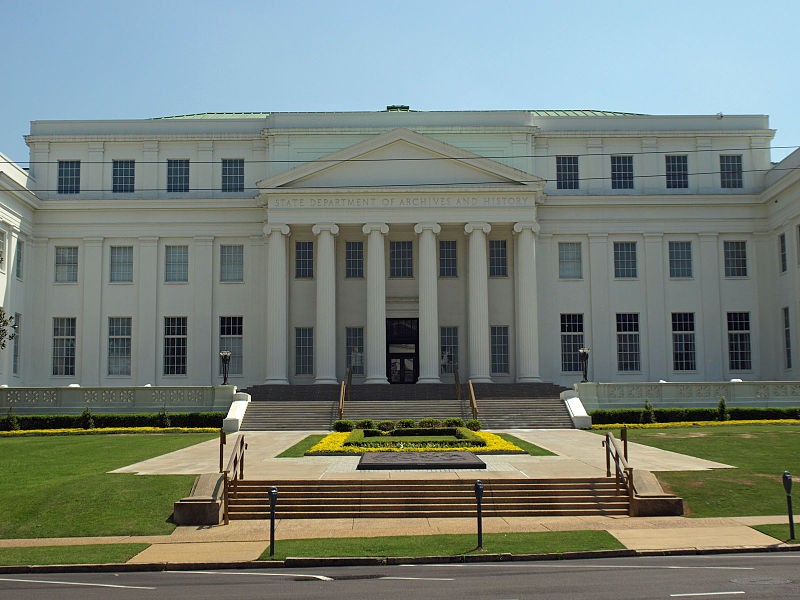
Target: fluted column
point(428, 303)
point(527, 318)
point(376, 303)
point(478, 303)
point(325, 328)
point(277, 313)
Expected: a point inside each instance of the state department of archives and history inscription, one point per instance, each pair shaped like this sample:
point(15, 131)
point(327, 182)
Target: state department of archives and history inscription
point(390, 202)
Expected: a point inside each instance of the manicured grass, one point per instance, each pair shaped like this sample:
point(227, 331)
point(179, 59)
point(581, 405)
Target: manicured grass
point(780, 532)
point(760, 452)
point(92, 554)
point(448, 545)
point(300, 448)
point(531, 449)
point(60, 486)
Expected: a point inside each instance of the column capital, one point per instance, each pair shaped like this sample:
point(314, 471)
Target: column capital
point(269, 229)
point(470, 227)
point(368, 228)
point(434, 227)
point(533, 226)
point(320, 227)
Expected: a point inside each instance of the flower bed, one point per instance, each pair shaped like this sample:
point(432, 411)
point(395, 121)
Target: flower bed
point(334, 444)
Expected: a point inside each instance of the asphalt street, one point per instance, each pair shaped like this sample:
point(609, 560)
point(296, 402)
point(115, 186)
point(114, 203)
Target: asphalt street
point(762, 576)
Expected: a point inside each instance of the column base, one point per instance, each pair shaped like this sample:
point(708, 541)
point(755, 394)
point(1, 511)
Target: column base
point(276, 381)
point(529, 379)
point(481, 379)
point(374, 380)
point(326, 381)
point(429, 380)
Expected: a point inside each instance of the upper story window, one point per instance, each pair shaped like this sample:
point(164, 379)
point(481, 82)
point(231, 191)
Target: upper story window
point(304, 260)
point(735, 258)
point(66, 264)
point(677, 169)
point(354, 259)
point(680, 259)
point(231, 263)
point(448, 258)
point(782, 252)
point(498, 258)
point(625, 266)
point(570, 264)
point(69, 177)
point(176, 264)
point(232, 174)
point(123, 174)
point(401, 259)
point(730, 171)
point(567, 177)
point(178, 175)
point(121, 264)
point(622, 172)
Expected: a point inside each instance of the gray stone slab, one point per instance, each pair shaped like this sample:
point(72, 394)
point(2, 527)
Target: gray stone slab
point(371, 461)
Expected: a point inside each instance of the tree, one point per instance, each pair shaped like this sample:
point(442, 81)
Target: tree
point(8, 328)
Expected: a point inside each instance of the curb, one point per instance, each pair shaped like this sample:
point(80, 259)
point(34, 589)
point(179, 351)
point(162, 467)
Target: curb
point(360, 561)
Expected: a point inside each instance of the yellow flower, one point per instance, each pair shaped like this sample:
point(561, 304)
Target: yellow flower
point(695, 424)
point(334, 443)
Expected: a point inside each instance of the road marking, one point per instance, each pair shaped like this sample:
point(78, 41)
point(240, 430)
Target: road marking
point(552, 566)
point(239, 573)
point(418, 578)
point(705, 594)
point(78, 583)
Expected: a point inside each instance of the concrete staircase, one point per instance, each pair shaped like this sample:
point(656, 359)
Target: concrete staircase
point(323, 499)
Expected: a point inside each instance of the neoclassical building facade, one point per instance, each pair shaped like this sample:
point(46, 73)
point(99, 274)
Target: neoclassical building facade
point(402, 245)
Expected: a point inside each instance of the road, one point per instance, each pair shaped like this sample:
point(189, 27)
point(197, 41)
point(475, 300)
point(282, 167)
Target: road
point(762, 576)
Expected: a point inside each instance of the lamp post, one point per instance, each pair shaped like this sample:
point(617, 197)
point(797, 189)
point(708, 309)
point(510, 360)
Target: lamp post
point(225, 357)
point(583, 357)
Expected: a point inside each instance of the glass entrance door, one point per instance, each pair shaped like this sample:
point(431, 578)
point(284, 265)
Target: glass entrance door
point(402, 368)
point(402, 355)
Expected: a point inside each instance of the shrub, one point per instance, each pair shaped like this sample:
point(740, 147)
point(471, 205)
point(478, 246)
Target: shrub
point(405, 424)
point(648, 414)
point(429, 422)
point(10, 423)
point(87, 421)
point(343, 425)
point(365, 424)
point(473, 424)
point(722, 410)
point(454, 422)
point(163, 418)
point(686, 415)
point(385, 425)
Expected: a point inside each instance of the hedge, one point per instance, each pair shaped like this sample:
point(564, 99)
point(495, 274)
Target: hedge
point(189, 420)
point(679, 415)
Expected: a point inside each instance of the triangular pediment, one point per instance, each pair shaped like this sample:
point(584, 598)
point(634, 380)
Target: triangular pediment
point(400, 157)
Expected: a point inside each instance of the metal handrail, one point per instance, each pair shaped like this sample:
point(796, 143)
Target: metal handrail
point(233, 473)
point(349, 383)
point(623, 471)
point(473, 402)
point(342, 392)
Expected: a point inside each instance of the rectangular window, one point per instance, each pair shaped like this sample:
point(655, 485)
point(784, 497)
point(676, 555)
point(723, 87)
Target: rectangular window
point(739, 358)
point(571, 342)
point(401, 259)
point(677, 166)
point(119, 345)
point(176, 263)
point(66, 264)
point(625, 266)
point(683, 343)
point(232, 175)
point(175, 345)
point(2, 250)
point(354, 349)
point(787, 339)
point(304, 351)
point(69, 177)
point(121, 264)
point(448, 347)
point(628, 351)
point(567, 173)
point(231, 335)
point(622, 172)
point(354, 259)
point(178, 175)
point(782, 252)
point(231, 263)
point(735, 258)
point(500, 361)
point(448, 261)
point(63, 345)
point(680, 259)
point(123, 173)
point(18, 259)
point(304, 260)
point(15, 348)
point(730, 171)
point(498, 258)
point(570, 264)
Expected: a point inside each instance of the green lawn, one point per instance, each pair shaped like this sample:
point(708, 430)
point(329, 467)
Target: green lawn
point(92, 554)
point(447, 545)
point(300, 448)
point(760, 452)
point(60, 486)
point(531, 449)
point(781, 532)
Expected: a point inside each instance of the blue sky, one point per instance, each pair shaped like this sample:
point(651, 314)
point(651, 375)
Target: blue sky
point(110, 60)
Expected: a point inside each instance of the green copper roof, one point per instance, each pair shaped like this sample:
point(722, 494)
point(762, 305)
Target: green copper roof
point(538, 113)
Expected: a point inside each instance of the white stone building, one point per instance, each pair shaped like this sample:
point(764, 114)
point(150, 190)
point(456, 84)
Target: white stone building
point(400, 243)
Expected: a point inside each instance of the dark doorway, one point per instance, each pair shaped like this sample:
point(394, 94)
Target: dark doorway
point(402, 350)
